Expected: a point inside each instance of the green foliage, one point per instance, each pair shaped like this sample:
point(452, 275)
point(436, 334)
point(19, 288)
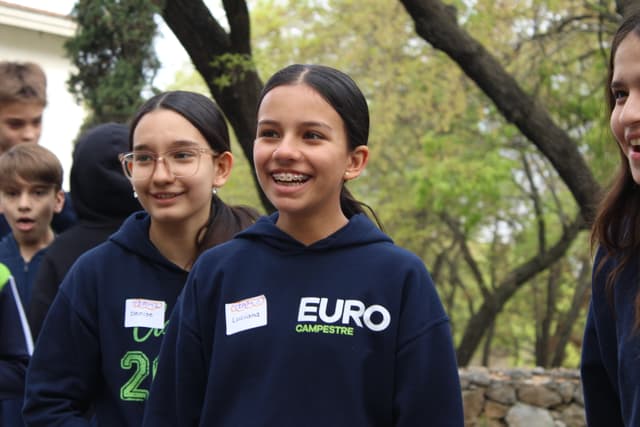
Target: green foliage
point(232, 66)
point(113, 60)
point(469, 186)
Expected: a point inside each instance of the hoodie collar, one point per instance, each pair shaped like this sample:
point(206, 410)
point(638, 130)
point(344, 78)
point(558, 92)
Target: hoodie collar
point(360, 230)
point(133, 236)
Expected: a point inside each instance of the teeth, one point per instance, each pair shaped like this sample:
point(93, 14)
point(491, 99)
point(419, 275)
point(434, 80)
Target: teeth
point(290, 177)
point(634, 142)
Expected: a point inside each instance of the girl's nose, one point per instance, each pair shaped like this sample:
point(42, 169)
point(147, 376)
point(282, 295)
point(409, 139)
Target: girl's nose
point(162, 171)
point(631, 110)
point(286, 150)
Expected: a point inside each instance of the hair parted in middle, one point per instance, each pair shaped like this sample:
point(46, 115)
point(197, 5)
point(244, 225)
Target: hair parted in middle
point(345, 97)
point(224, 221)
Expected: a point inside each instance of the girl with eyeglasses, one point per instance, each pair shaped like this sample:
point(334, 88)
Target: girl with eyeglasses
point(312, 316)
point(97, 352)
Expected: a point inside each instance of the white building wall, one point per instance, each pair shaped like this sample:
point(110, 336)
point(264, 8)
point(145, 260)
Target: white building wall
point(31, 35)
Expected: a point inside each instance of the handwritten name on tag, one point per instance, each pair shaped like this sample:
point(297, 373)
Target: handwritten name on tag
point(246, 314)
point(144, 313)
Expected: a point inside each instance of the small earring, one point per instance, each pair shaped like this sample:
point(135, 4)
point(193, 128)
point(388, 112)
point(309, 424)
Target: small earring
point(135, 195)
point(214, 190)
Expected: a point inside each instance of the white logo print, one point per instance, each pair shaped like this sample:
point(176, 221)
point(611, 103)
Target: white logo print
point(375, 317)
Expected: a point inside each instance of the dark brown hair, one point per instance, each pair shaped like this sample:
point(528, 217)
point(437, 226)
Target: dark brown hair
point(342, 93)
point(616, 229)
point(224, 221)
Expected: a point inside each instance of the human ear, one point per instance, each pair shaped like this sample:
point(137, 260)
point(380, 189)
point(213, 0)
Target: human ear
point(223, 163)
point(358, 159)
point(59, 202)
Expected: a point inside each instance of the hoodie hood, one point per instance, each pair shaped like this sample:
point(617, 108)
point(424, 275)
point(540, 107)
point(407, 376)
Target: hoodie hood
point(359, 231)
point(133, 236)
point(99, 189)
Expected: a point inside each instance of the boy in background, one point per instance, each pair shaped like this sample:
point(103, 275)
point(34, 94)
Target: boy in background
point(23, 98)
point(30, 194)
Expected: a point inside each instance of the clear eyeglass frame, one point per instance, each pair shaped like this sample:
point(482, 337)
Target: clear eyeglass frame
point(127, 160)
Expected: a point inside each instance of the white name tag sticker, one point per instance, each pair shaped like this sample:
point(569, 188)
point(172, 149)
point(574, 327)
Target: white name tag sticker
point(145, 313)
point(246, 314)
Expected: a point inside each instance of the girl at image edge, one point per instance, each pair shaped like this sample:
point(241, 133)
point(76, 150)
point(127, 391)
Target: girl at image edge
point(312, 316)
point(611, 345)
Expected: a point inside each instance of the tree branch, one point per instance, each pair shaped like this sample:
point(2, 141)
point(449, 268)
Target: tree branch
point(509, 285)
point(435, 24)
point(466, 253)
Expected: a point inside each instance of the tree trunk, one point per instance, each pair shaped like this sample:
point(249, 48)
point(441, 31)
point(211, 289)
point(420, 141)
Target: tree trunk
point(486, 348)
point(563, 330)
point(543, 337)
point(627, 7)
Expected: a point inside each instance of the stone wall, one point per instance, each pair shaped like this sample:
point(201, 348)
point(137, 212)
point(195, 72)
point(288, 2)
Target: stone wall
point(522, 398)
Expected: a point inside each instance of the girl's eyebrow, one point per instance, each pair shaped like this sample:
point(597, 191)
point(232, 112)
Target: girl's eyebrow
point(268, 122)
point(175, 144)
point(317, 124)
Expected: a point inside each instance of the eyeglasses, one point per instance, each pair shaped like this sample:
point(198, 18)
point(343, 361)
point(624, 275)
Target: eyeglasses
point(181, 162)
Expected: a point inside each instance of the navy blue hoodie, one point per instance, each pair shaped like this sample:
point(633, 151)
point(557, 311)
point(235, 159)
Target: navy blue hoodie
point(96, 346)
point(15, 340)
point(611, 349)
point(24, 274)
point(348, 331)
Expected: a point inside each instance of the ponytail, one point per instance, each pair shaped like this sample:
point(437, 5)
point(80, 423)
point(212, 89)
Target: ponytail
point(351, 206)
point(224, 222)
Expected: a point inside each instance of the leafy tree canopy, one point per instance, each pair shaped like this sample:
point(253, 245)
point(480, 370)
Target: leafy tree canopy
point(113, 55)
